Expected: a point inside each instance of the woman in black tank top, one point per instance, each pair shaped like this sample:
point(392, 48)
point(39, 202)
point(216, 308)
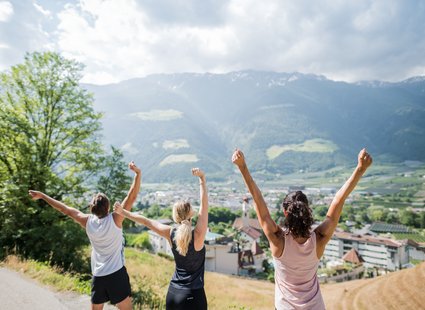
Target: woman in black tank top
point(186, 290)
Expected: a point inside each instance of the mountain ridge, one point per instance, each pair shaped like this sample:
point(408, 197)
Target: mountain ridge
point(259, 111)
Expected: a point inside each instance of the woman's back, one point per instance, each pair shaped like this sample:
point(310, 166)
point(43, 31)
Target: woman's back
point(189, 273)
point(297, 285)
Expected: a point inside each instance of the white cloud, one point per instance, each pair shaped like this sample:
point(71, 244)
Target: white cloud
point(6, 11)
point(122, 39)
point(42, 10)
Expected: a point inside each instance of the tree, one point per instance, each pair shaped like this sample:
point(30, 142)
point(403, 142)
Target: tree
point(421, 220)
point(220, 214)
point(48, 141)
point(114, 181)
point(407, 217)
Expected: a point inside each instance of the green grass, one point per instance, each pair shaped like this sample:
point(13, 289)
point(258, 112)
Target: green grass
point(60, 280)
point(150, 276)
point(309, 146)
point(414, 237)
point(181, 158)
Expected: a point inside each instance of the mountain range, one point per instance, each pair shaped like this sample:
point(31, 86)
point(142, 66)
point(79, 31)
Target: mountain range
point(284, 122)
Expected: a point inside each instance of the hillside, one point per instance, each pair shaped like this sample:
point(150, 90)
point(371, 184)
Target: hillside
point(284, 122)
point(398, 290)
point(150, 275)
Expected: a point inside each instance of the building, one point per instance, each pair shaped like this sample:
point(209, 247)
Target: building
point(251, 256)
point(220, 253)
point(375, 251)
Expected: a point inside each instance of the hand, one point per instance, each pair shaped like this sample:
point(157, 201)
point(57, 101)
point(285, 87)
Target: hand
point(198, 173)
point(35, 195)
point(238, 158)
point(364, 160)
point(118, 208)
point(132, 166)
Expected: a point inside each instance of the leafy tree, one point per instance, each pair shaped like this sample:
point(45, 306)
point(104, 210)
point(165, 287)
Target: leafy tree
point(114, 180)
point(392, 218)
point(320, 212)
point(421, 220)
point(407, 217)
point(220, 214)
point(49, 142)
point(154, 211)
point(141, 241)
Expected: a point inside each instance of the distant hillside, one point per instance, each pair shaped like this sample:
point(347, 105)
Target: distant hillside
point(398, 290)
point(283, 121)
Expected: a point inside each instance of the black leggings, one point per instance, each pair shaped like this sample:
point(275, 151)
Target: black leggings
point(186, 299)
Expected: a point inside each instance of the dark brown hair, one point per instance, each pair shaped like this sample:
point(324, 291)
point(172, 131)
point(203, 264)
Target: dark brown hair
point(99, 205)
point(299, 217)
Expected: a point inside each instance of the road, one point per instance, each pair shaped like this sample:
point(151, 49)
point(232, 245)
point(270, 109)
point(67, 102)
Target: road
point(18, 292)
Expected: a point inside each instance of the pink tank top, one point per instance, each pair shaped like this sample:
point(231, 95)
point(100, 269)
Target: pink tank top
point(296, 283)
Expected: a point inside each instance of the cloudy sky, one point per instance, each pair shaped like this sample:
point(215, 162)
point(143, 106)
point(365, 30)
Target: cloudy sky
point(122, 39)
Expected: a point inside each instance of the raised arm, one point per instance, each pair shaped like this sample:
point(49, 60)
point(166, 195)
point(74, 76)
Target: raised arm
point(75, 214)
point(269, 226)
point(202, 223)
point(131, 197)
point(326, 229)
point(160, 229)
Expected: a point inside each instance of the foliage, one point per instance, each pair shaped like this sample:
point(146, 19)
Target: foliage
point(155, 211)
point(411, 236)
point(43, 272)
point(144, 297)
point(140, 241)
point(48, 142)
point(220, 214)
point(114, 181)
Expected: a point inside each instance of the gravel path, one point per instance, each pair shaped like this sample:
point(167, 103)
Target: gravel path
point(18, 292)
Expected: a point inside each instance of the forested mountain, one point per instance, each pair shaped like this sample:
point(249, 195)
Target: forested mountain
point(282, 121)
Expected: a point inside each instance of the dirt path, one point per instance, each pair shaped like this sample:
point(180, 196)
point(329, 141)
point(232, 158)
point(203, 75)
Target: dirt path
point(18, 292)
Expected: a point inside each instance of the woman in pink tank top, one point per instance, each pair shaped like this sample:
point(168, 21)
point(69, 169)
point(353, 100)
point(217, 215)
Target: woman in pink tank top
point(296, 249)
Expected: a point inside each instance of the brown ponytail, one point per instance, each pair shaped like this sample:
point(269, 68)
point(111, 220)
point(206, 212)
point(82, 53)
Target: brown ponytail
point(299, 216)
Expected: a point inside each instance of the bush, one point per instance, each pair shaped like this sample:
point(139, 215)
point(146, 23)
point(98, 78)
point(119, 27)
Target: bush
point(144, 297)
point(140, 241)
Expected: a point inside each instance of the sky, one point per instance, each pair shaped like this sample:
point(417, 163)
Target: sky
point(118, 40)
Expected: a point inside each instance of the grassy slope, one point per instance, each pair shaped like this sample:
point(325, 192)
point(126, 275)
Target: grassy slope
point(398, 290)
point(223, 292)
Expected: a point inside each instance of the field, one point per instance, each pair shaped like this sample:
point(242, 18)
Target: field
point(180, 158)
point(398, 290)
point(314, 145)
point(223, 292)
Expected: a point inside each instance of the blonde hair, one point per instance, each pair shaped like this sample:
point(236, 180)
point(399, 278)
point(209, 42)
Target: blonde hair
point(182, 213)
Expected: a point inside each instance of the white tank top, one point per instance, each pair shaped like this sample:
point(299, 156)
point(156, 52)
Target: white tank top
point(107, 243)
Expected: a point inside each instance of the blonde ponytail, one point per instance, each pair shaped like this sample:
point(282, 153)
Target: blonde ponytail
point(182, 212)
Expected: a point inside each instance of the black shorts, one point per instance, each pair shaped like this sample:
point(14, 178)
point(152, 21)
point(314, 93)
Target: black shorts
point(186, 299)
point(114, 287)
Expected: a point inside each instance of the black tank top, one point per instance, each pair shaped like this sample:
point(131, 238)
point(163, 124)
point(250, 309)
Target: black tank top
point(189, 273)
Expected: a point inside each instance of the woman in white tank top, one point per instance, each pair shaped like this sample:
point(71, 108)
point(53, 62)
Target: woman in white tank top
point(296, 250)
point(110, 279)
